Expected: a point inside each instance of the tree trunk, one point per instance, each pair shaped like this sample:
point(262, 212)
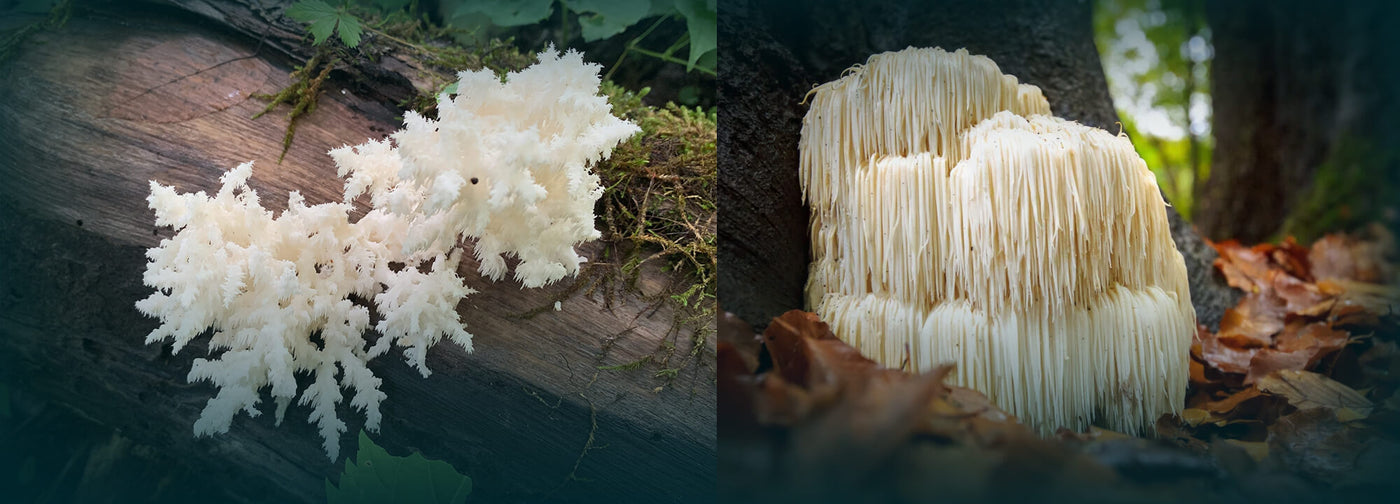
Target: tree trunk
point(113, 99)
point(1300, 89)
point(775, 52)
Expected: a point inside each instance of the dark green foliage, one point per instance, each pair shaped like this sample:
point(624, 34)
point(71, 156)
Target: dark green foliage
point(1345, 194)
point(325, 19)
point(378, 477)
point(700, 20)
point(602, 19)
point(1156, 56)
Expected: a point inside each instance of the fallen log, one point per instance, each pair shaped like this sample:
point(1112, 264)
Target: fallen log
point(94, 110)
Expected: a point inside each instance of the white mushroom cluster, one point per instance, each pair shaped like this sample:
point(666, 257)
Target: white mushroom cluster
point(507, 164)
point(955, 220)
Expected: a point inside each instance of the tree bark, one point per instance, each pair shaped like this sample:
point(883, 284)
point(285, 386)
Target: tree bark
point(94, 110)
point(1300, 87)
point(774, 52)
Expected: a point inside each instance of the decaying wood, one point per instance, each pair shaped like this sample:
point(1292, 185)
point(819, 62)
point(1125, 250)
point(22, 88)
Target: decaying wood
point(93, 111)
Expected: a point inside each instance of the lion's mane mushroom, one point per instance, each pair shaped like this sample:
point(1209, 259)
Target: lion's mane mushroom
point(955, 220)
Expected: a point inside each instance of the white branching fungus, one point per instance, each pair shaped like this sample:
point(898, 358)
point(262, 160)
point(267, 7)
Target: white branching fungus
point(507, 164)
point(954, 220)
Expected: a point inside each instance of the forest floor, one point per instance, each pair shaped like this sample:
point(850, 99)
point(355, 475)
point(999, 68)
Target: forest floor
point(1292, 400)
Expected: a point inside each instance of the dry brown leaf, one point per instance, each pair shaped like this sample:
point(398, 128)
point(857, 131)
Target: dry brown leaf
point(1253, 322)
point(1350, 312)
point(1307, 390)
point(1344, 257)
point(1198, 373)
point(834, 398)
point(1316, 339)
point(742, 339)
point(1297, 295)
point(1292, 258)
point(1322, 308)
point(1225, 357)
point(1375, 300)
point(1268, 360)
point(1195, 416)
point(1332, 257)
point(1228, 404)
point(1244, 268)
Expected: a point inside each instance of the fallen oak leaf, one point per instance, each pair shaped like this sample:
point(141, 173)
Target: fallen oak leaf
point(1307, 390)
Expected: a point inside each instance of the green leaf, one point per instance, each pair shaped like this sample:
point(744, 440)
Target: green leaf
point(350, 30)
point(700, 22)
point(324, 20)
point(450, 90)
point(601, 19)
point(508, 12)
point(381, 477)
point(318, 14)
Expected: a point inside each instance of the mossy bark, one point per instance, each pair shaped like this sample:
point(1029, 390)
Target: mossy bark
point(1305, 118)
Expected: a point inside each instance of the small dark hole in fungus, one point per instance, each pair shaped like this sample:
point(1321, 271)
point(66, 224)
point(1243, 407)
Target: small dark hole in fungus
point(474, 180)
point(80, 223)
